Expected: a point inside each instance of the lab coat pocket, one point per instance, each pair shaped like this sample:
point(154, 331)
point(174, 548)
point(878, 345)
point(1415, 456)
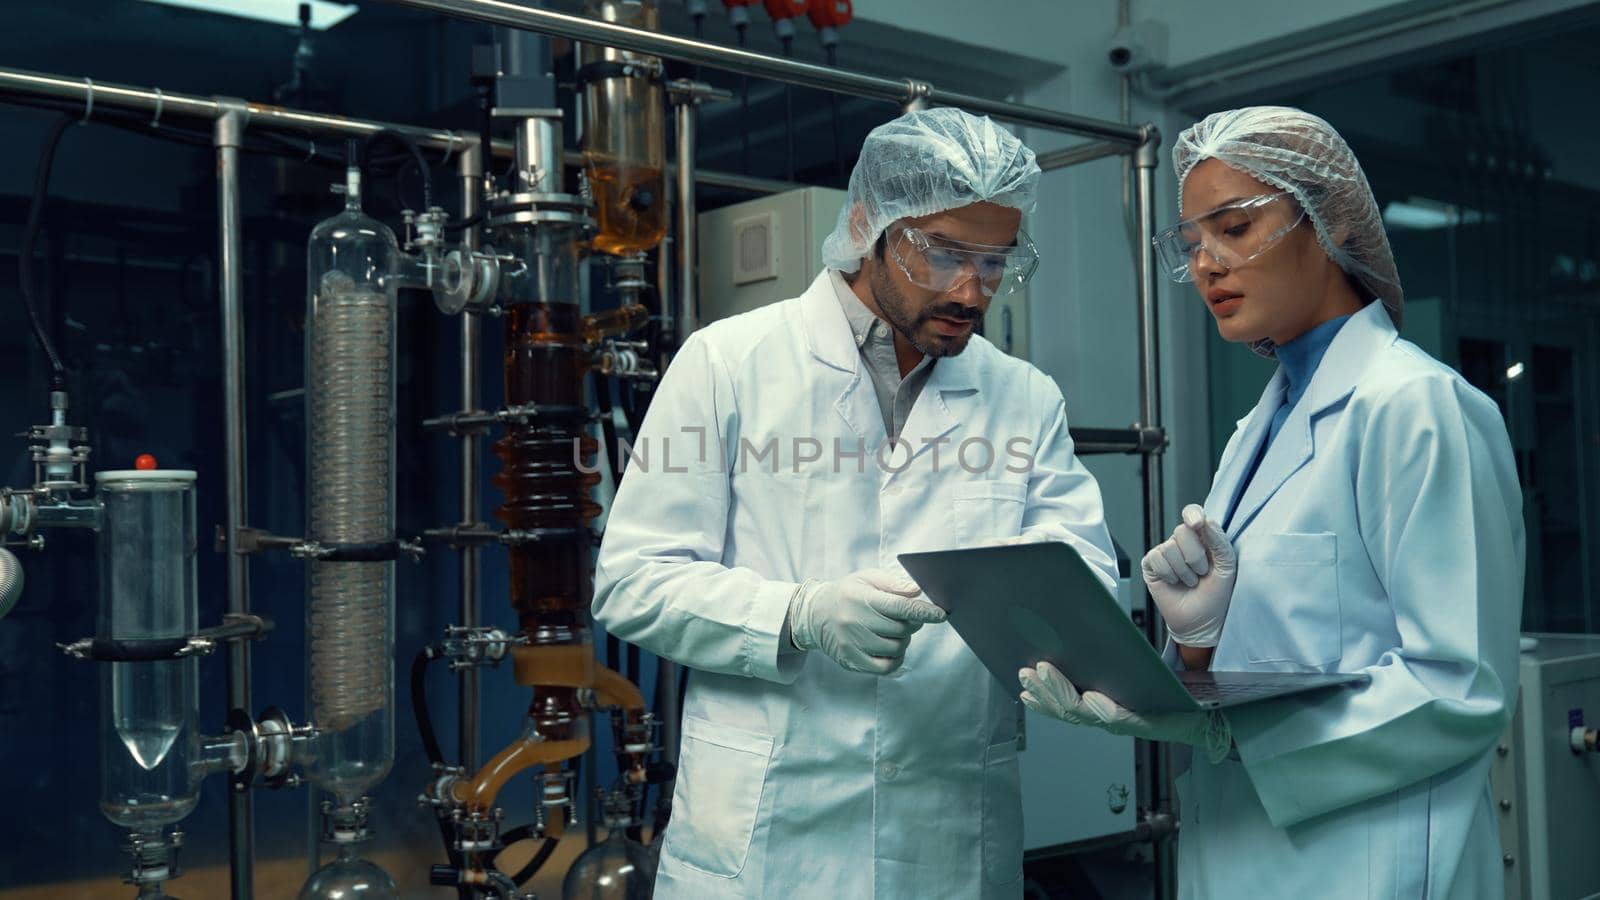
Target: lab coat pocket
point(1290, 611)
point(1002, 814)
point(717, 797)
point(989, 509)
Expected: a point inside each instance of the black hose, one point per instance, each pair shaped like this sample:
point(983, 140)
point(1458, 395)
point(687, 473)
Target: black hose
point(608, 428)
point(430, 746)
point(485, 130)
point(419, 704)
point(534, 865)
point(385, 134)
point(469, 222)
point(41, 186)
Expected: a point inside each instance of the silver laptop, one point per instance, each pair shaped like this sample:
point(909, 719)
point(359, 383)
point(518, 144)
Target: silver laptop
point(1018, 604)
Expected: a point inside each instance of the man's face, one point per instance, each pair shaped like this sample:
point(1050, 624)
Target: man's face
point(937, 323)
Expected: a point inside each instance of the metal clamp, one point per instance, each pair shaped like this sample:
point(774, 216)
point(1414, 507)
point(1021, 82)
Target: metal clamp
point(917, 94)
point(687, 90)
point(555, 799)
point(477, 421)
point(235, 627)
point(32, 542)
point(476, 832)
point(155, 857)
point(479, 535)
point(622, 359)
point(471, 647)
point(150, 650)
point(270, 748)
point(1152, 438)
point(428, 225)
point(468, 281)
point(439, 795)
point(346, 824)
point(254, 540)
point(629, 67)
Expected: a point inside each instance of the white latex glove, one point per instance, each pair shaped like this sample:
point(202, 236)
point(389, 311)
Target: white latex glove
point(864, 620)
point(1191, 577)
point(1045, 690)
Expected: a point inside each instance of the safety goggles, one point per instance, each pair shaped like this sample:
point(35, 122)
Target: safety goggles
point(1231, 234)
point(942, 265)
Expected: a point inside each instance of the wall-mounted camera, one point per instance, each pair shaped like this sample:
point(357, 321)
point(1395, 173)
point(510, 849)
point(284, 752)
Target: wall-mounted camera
point(1138, 48)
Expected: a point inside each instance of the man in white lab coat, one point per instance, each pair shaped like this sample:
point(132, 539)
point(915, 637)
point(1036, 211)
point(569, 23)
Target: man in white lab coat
point(830, 747)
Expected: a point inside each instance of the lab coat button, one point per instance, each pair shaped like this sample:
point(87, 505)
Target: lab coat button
point(889, 771)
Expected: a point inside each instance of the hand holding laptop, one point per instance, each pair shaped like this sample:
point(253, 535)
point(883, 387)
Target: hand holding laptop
point(1045, 690)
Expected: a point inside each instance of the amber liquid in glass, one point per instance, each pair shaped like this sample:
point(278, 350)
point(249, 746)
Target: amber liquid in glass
point(630, 208)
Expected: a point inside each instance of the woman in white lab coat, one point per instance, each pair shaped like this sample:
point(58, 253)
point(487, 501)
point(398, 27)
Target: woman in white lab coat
point(1365, 517)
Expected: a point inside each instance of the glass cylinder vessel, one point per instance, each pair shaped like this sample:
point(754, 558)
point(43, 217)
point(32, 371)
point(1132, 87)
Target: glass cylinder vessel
point(150, 743)
point(353, 273)
point(624, 146)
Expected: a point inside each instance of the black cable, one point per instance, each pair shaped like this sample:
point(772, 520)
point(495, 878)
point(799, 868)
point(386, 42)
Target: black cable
point(486, 130)
point(419, 704)
point(385, 134)
point(527, 872)
point(469, 222)
point(41, 186)
point(430, 746)
point(634, 663)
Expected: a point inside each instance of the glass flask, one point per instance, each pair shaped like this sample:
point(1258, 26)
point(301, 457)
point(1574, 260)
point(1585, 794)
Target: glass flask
point(349, 877)
point(617, 868)
point(150, 742)
point(624, 147)
point(353, 274)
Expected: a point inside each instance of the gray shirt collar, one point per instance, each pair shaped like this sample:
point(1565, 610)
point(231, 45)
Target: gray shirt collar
point(875, 340)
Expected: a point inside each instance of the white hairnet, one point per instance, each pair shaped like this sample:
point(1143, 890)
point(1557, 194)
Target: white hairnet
point(923, 163)
point(1300, 153)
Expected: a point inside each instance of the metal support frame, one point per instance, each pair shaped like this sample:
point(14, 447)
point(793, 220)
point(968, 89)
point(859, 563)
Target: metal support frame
point(469, 168)
point(1158, 772)
point(22, 83)
point(229, 135)
point(840, 81)
point(686, 108)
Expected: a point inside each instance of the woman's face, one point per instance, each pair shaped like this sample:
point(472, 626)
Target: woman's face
point(1278, 295)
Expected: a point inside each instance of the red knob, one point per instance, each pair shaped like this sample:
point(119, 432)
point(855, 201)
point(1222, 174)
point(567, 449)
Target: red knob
point(145, 462)
point(779, 10)
point(829, 13)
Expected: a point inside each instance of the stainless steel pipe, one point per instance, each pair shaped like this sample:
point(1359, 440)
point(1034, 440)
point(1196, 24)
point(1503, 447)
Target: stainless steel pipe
point(471, 174)
point(1159, 770)
point(688, 285)
point(839, 81)
point(228, 135)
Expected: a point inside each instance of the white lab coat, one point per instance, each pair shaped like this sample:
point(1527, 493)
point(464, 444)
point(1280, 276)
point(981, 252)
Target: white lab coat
point(1383, 534)
point(798, 778)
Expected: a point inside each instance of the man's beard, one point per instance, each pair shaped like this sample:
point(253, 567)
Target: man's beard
point(895, 308)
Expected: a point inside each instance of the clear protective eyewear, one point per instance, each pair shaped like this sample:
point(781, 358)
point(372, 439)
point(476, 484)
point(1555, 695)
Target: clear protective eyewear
point(1231, 234)
point(942, 264)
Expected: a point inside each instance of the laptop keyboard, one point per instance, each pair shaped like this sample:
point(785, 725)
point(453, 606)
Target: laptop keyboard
point(1205, 691)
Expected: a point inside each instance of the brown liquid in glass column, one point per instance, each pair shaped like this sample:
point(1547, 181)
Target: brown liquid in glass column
point(546, 365)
